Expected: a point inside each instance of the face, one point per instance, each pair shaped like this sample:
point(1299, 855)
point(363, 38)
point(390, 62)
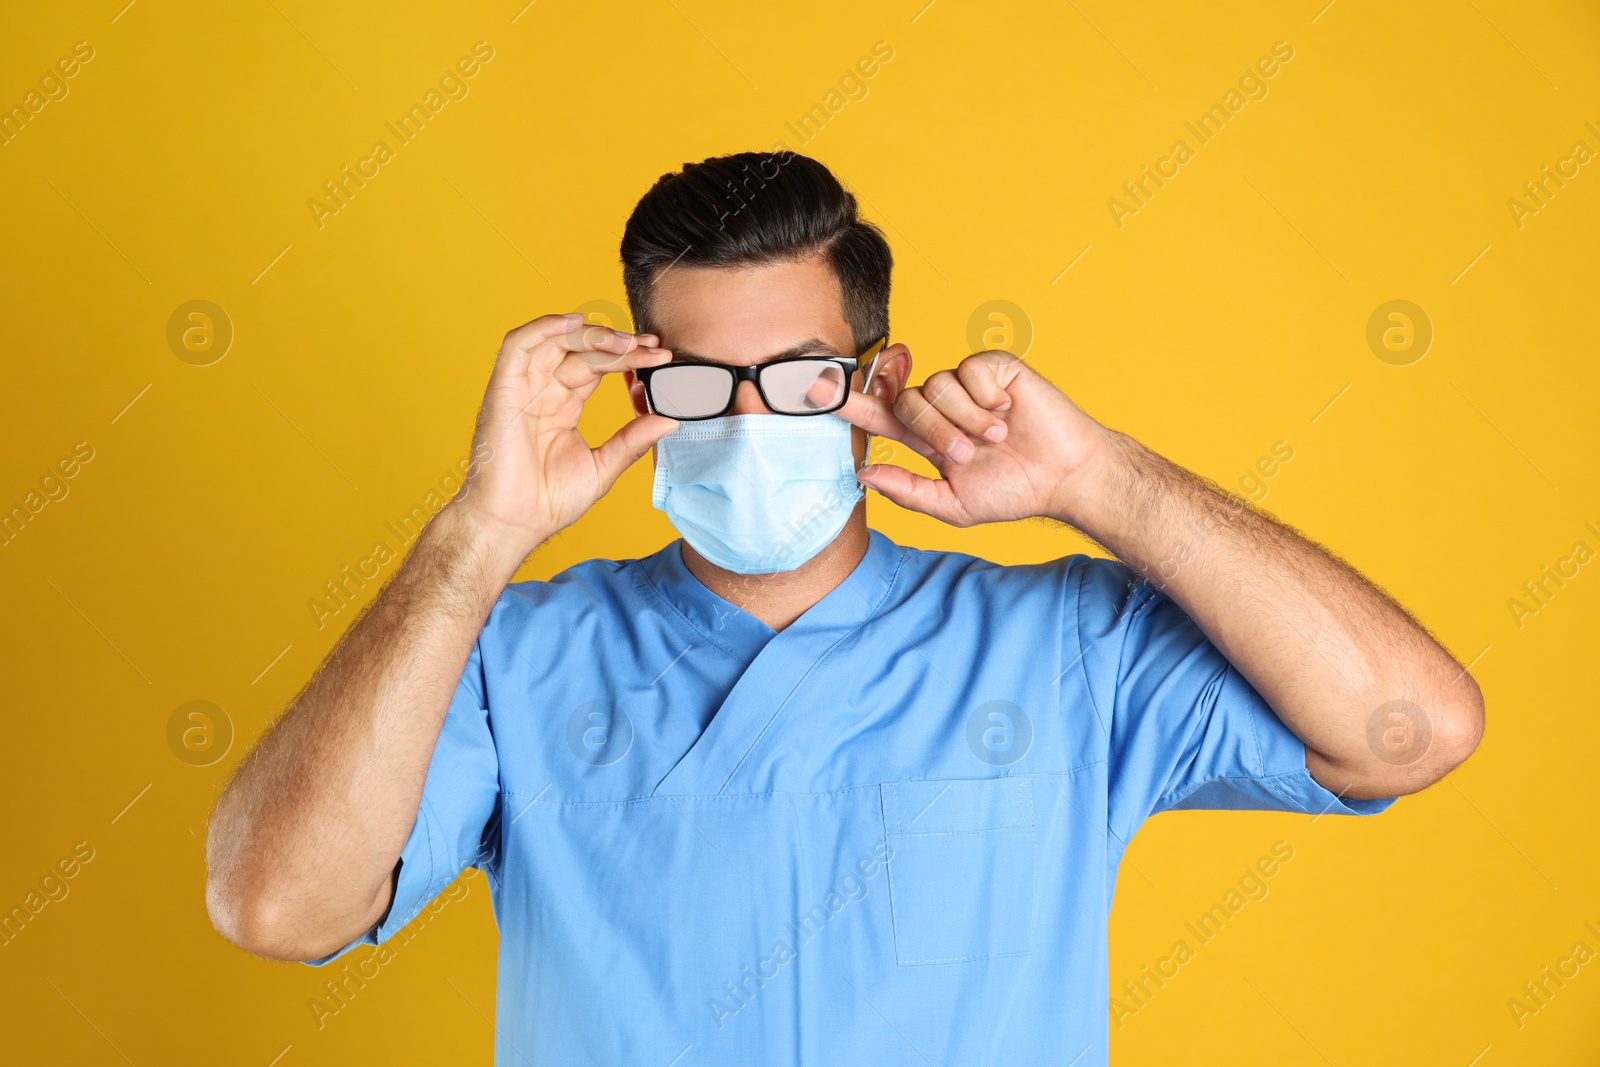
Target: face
point(745, 315)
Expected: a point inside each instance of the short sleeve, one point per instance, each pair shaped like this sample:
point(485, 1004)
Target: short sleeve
point(1186, 730)
point(457, 822)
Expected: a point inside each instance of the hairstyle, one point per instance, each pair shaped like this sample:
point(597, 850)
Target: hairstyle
point(753, 208)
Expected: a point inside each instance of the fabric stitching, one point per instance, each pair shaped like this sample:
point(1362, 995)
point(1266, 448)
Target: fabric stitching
point(1268, 780)
point(702, 431)
point(1024, 797)
point(1076, 769)
point(888, 870)
point(966, 833)
point(1033, 872)
point(1214, 687)
point(963, 959)
point(1250, 717)
point(872, 612)
point(429, 820)
point(1083, 664)
point(660, 597)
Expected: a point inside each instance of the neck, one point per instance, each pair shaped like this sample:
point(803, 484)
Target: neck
point(780, 599)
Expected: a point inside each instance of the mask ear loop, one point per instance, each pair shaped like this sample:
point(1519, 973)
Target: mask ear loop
point(872, 368)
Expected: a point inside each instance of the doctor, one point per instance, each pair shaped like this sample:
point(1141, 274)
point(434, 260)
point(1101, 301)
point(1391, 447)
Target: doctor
point(784, 791)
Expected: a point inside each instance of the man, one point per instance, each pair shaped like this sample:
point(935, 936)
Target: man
point(784, 791)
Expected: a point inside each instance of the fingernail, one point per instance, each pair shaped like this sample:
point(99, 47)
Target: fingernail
point(994, 433)
point(960, 450)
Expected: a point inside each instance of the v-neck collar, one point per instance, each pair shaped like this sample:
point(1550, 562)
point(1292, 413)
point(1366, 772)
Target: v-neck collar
point(751, 719)
point(741, 634)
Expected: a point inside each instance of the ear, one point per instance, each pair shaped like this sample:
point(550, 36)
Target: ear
point(636, 393)
point(892, 373)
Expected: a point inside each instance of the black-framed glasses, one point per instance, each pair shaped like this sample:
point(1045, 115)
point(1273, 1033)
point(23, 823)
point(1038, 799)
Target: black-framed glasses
point(789, 385)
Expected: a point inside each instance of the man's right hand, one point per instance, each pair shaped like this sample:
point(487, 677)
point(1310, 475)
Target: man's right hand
point(541, 475)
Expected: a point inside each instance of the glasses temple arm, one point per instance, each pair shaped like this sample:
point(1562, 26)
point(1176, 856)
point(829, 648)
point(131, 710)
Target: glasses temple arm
point(872, 368)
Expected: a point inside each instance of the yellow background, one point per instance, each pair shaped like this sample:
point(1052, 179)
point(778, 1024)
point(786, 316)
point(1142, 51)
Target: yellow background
point(1221, 319)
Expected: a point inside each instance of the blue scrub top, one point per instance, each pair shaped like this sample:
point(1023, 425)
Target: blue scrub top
point(886, 835)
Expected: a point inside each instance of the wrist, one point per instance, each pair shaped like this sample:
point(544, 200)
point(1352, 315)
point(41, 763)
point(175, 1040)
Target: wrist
point(1085, 496)
point(492, 547)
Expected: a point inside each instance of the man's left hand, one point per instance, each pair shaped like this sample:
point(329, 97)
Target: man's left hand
point(1007, 443)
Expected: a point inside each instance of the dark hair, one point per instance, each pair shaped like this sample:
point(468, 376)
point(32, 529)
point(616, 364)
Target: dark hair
point(753, 208)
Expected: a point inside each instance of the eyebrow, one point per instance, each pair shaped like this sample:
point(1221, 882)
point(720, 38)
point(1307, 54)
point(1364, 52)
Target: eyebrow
point(810, 346)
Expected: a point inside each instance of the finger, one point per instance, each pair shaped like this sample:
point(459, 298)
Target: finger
point(979, 376)
point(623, 449)
point(930, 496)
point(516, 350)
point(950, 397)
point(544, 336)
point(604, 349)
point(915, 411)
point(876, 416)
point(603, 345)
point(579, 370)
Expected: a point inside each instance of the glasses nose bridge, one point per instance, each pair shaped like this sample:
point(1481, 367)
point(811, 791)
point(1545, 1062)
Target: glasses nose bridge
point(750, 401)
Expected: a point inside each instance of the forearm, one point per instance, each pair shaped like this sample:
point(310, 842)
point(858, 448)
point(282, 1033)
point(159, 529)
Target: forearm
point(1322, 645)
point(304, 841)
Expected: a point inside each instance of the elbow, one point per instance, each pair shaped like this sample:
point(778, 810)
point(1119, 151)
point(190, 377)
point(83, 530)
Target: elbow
point(237, 920)
point(252, 912)
point(251, 900)
point(253, 921)
point(262, 926)
point(1460, 729)
point(242, 920)
point(237, 906)
point(1455, 721)
point(1409, 746)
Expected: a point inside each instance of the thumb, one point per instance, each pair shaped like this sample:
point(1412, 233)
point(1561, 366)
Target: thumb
point(623, 449)
point(931, 496)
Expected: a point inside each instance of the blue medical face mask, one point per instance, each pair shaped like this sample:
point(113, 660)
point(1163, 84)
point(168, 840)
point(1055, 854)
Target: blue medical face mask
point(757, 494)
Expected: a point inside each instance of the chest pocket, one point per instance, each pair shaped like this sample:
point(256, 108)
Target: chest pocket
point(961, 869)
